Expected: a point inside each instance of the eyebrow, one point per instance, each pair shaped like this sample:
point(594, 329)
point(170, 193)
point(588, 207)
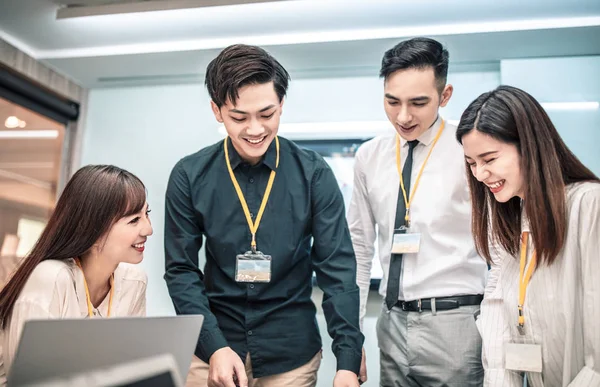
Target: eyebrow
point(420, 99)
point(482, 155)
point(260, 111)
point(416, 99)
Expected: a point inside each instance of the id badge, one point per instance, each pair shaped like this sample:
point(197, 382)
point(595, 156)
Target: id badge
point(253, 267)
point(405, 242)
point(523, 357)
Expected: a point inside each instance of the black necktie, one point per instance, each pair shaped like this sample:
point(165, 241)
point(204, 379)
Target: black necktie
point(393, 284)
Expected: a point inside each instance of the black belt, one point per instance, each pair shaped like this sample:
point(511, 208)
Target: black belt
point(442, 303)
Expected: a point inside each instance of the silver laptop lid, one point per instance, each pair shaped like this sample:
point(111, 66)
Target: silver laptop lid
point(54, 348)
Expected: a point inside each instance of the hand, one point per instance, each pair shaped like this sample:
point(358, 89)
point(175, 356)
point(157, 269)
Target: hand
point(344, 378)
point(225, 364)
point(363, 367)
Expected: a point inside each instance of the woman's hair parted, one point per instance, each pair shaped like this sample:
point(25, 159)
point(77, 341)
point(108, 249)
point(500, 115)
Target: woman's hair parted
point(92, 201)
point(512, 116)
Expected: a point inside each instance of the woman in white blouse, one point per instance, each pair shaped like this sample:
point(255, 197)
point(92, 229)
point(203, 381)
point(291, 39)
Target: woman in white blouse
point(81, 266)
point(536, 219)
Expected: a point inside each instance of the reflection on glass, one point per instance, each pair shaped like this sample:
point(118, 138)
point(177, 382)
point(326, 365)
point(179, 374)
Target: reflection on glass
point(30, 154)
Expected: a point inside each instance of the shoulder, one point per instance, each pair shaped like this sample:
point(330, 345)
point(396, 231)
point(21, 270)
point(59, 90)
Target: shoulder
point(131, 276)
point(290, 148)
point(193, 167)
point(449, 142)
point(49, 275)
point(194, 162)
point(375, 147)
point(583, 194)
point(309, 160)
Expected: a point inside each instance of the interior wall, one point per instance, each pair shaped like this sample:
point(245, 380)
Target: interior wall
point(566, 79)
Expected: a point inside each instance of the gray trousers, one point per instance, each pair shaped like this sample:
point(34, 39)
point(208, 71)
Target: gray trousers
point(425, 349)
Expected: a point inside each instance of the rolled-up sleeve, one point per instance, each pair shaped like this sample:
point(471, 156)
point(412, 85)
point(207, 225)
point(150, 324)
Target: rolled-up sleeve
point(334, 263)
point(185, 280)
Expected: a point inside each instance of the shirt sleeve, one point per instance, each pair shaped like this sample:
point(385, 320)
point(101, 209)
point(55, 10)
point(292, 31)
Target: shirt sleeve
point(334, 263)
point(494, 329)
point(361, 223)
point(185, 280)
point(589, 245)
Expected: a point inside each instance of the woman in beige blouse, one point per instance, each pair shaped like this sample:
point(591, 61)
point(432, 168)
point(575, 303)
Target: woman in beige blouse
point(81, 267)
point(536, 211)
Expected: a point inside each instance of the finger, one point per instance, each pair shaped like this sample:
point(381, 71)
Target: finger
point(213, 381)
point(240, 372)
point(227, 381)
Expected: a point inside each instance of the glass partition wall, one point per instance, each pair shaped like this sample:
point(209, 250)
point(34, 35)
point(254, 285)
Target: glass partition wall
point(30, 156)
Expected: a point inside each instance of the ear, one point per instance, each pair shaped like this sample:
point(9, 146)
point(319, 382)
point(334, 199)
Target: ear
point(281, 106)
point(216, 111)
point(446, 94)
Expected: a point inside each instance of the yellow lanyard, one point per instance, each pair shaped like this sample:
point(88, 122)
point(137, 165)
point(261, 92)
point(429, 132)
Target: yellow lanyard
point(253, 225)
point(524, 277)
point(87, 292)
point(407, 199)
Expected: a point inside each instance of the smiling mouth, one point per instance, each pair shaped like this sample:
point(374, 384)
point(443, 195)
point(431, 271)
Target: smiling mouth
point(496, 186)
point(256, 141)
point(407, 128)
point(139, 246)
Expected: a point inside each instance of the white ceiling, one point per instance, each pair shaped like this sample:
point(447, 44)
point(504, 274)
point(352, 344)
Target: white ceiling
point(310, 37)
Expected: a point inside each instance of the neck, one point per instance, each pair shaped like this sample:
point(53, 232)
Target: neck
point(97, 275)
point(252, 160)
point(434, 121)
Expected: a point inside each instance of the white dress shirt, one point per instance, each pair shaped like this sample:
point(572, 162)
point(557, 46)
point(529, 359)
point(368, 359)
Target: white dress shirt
point(55, 290)
point(447, 263)
point(562, 304)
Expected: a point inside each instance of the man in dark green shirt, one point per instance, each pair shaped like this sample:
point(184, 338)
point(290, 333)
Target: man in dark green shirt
point(269, 214)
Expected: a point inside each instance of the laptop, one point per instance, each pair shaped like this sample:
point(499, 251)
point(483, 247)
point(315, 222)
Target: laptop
point(51, 349)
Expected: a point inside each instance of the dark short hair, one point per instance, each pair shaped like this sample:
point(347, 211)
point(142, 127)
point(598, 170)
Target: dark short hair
point(512, 116)
point(241, 65)
point(417, 53)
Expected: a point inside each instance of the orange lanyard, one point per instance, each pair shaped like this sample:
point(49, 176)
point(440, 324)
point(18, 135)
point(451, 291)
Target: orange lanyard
point(87, 292)
point(408, 199)
point(252, 225)
point(524, 277)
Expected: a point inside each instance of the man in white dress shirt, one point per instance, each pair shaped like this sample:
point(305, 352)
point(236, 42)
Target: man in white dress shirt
point(411, 197)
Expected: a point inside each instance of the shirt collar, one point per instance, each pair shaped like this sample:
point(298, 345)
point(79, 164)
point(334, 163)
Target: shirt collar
point(269, 159)
point(426, 138)
point(79, 282)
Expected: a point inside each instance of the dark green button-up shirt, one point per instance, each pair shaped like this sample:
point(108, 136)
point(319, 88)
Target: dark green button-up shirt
point(275, 322)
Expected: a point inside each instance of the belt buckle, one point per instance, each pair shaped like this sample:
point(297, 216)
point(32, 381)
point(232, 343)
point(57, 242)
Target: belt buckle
point(419, 305)
point(403, 306)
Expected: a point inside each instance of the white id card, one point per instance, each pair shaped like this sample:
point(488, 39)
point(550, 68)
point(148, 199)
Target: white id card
point(404, 243)
point(253, 267)
point(523, 357)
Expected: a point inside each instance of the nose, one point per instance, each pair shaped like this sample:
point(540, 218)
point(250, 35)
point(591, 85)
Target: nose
point(404, 116)
point(147, 229)
point(480, 173)
point(255, 128)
